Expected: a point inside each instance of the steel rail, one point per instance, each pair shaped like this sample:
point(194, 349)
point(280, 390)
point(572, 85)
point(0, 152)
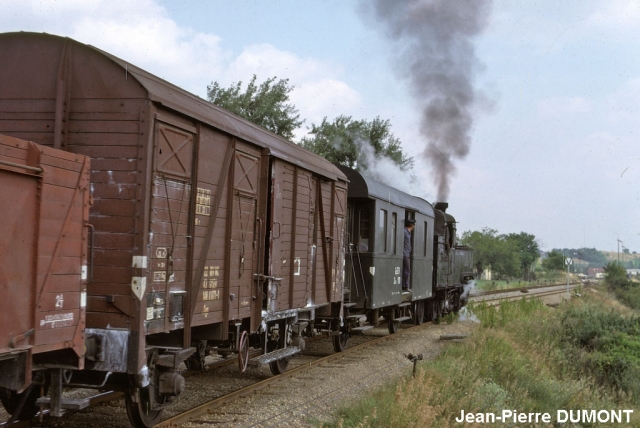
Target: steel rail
point(220, 401)
point(208, 407)
point(225, 399)
point(514, 289)
point(525, 295)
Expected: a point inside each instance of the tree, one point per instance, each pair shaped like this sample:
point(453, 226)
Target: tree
point(494, 251)
point(265, 105)
point(350, 142)
point(527, 248)
point(594, 257)
point(616, 276)
point(554, 261)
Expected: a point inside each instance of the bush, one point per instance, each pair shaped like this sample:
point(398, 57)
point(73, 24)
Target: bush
point(630, 296)
point(604, 343)
point(616, 276)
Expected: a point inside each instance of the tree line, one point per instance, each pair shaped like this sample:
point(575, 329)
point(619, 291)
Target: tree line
point(510, 255)
point(341, 140)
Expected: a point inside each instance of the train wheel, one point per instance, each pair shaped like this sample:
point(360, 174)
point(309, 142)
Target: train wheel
point(243, 351)
point(279, 366)
point(373, 317)
point(393, 324)
point(435, 310)
point(457, 302)
point(418, 312)
point(140, 412)
point(340, 341)
point(11, 401)
point(393, 327)
point(142, 403)
point(196, 361)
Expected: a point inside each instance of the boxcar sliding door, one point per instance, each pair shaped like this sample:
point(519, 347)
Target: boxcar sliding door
point(243, 239)
point(169, 227)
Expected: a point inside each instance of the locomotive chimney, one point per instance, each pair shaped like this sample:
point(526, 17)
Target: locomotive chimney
point(442, 206)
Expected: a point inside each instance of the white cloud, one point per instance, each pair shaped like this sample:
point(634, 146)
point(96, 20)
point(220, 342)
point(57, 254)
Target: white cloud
point(317, 90)
point(142, 33)
point(324, 97)
point(268, 61)
point(139, 32)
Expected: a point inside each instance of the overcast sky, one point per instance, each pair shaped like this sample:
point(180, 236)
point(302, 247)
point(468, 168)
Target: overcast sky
point(555, 138)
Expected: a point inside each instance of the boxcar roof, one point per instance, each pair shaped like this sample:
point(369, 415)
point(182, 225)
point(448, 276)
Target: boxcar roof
point(181, 101)
point(361, 186)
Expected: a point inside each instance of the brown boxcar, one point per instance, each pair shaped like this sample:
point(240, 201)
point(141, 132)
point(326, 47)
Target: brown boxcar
point(43, 270)
point(210, 232)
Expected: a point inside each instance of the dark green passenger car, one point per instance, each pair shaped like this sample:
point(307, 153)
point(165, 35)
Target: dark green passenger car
point(440, 269)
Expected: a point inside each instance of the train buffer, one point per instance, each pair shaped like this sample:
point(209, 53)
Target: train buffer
point(274, 356)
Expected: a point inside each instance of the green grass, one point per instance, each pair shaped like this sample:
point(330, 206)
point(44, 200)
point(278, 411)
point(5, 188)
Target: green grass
point(524, 356)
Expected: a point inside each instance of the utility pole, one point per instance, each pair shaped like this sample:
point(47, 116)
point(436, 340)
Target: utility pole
point(619, 242)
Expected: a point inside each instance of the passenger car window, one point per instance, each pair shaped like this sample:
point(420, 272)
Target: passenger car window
point(363, 230)
point(382, 231)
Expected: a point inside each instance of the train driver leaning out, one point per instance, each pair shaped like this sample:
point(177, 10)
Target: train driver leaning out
point(409, 225)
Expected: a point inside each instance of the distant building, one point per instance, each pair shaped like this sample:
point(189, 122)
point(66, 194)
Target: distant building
point(633, 272)
point(596, 273)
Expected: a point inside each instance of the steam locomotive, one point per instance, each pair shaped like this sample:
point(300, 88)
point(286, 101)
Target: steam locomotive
point(144, 228)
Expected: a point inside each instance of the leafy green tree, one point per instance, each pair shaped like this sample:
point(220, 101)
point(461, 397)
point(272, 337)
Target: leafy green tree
point(481, 243)
point(616, 275)
point(507, 261)
point(494, 251)
point(343, 141)
point(527, 248)
point(554, 261)
point(266, 104)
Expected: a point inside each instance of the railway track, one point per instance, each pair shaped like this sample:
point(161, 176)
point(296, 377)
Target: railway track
point(307, 366)
point(210, 407)
point(519, 292)
point(529, 288)
point(270, 382)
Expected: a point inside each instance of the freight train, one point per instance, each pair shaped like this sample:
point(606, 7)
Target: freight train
point(144, 228)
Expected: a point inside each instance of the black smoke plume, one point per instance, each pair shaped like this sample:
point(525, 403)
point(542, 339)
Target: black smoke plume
point(437, 57)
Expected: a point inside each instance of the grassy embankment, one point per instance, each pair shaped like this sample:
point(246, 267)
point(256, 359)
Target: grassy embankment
point(524, 356)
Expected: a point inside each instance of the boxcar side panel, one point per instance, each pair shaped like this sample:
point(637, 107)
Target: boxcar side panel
point(43, 246)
